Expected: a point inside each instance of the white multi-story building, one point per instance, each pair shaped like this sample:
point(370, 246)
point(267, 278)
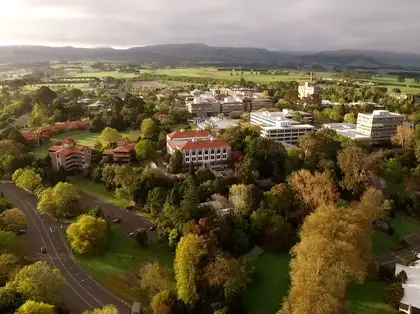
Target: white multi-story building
point(380, 125)
point(275, 126)
point(230, 104)
point(349, 130)
point(308, 89)
point(203, 106)
point(198, 147)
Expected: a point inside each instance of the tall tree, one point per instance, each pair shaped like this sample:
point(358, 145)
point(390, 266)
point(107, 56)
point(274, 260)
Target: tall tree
point(12, 220)
point(149, 129)
point(109, 136)
point(37, 117)
point(175, 162)
point(60, 201)
point(246, 171)
point(145, 150)
point(87, 234)
point(39, 282)
point(404, 137)
point(27, 179)
point(313, 190)
point(189, 252)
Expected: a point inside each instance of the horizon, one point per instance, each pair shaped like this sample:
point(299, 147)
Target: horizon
point(304, 25)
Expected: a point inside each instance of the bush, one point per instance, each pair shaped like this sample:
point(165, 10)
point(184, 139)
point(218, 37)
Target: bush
point(401, 277)
point(390, 230)
point(393, 294)
point(141, 236)
point(386, 273)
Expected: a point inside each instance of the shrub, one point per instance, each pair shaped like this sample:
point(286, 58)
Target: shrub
point(141, 236)
point(393, 294)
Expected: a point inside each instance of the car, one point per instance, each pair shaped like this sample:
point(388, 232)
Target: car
point(132, 234)
point(43, 250)
point(152, 228)
point(116, 220)
point(21, 231)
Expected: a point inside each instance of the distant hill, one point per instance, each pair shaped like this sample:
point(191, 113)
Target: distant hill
point(200, 53)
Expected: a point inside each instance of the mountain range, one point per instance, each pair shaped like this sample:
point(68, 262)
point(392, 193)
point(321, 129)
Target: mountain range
point(201, 53)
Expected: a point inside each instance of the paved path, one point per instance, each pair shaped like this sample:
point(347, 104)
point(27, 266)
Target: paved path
point(413, 249)
point(81, 292)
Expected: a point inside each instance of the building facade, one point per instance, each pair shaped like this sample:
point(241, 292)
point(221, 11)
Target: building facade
point(199, 147)
point(123, 153)
point(380, 125)
point(275, 126)
point(229, 105)
point(202, 106)
point(308, 89)
point(69, 156)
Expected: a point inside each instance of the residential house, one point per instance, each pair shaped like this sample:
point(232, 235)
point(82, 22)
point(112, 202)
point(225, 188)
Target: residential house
point(123, 153)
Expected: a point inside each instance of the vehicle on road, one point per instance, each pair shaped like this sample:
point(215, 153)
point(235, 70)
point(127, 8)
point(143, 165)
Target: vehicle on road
point(132, 234)
point(116, 220)
point(21, 231)
point(43, 250)
point(152, 228)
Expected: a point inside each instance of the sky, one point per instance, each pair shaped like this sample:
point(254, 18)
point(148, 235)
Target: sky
point(296, 25)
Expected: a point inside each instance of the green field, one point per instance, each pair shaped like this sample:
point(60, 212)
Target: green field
point(403, 226)
point(269, 284)
point(100, 191)
point(85, 138)
point(83, 87)
point(367, 298)
point(117, 267)
point(114, 74)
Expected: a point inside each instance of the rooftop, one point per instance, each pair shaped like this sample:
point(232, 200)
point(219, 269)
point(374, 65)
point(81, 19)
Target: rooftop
point(188, 134)
point(199, 144)
point(382, 113)
point(347, 129)
point(218, 123)
point(412, 285)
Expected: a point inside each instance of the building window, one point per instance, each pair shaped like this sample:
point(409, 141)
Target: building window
point(212, 157)
point(187, 153)
point(193, 153)
point(224, 150)
point(187, 160)
point(212, 151)
point(200, 158)
point(218, 151)
point(200, 152)
point(404, 307)
point(224, 156)
point(206, 158)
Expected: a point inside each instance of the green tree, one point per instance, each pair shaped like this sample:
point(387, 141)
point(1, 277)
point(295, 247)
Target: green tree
point(12, 220)
point(9, 264)
point(189, 252)
point(393, 294)
point(87, 234)
point(32, 307)
point(175, 162)
point(149, 129)
point(155, 200)
point(246, 171)
point(191, 199)
point(350, 118)
point(164, 302)
point(145, 150)
point(60, 201)
point(11, 243)
point(37, 117)
point(204, 174)
point(39, 282)
point(27, 179)
point(107, 309)
point(108, 175)
point(109, 136)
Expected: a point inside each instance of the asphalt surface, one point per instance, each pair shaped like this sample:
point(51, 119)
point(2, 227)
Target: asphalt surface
point(81, 292)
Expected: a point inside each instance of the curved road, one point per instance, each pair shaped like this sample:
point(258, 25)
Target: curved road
point(81, 292)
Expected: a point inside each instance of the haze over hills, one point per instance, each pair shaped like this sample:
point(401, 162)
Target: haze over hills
point(201, 53)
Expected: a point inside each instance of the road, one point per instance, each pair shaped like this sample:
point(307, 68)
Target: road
point(81, 292)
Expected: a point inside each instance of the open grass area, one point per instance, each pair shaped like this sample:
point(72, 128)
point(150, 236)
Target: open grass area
point(269, 284)
point(42, 150)
point(100, 191)
point(81, 86)
point(367, 298)
point(118, 266)
point(83, 138)
point(114, 74)
point(403, 226)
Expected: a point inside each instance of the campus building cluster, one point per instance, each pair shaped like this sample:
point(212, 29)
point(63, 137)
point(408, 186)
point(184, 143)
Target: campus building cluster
point(69, 156)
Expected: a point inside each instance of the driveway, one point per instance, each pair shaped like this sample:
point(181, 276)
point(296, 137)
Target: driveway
point(81, 292)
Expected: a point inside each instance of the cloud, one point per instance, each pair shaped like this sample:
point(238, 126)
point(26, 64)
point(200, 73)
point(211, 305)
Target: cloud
point(274, 24)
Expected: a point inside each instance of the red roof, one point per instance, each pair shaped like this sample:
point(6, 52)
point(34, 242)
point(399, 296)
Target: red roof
point(201, 144)
point(161, 116)
point(69, 140)
point(189, 134)
point(124, 149)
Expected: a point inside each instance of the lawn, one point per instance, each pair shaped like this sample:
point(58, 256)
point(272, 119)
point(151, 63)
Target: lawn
point(83, 138)
point(403, 226)
point(100, 191)
point(118, 266)
point(367, 298)
point(269, 284)
point(42, 150)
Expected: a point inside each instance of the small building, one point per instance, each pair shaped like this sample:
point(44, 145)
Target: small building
point(349, 130)
point(69, 156)
point(275, 126)
point(198, 147)
point(309, 89)
point(123, 153)
point(217, 124)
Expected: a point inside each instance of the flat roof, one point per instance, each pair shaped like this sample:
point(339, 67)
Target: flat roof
point(412, 285)
point(291, 126)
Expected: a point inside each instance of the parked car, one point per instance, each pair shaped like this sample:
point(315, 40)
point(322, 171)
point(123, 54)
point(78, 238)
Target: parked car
point(152, 228)
point(116, 220)
point(43, 250)
point(132, 234)
point(21, 231)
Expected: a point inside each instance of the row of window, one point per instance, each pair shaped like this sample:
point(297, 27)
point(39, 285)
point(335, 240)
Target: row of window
point(206, 158)
point(206, 152)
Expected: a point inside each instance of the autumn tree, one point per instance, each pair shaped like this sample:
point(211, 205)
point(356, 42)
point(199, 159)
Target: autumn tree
point(175, 162)
point(149, 129)
point(313, 190)
point(39, 282)
point(12, 220)
point(246, 171)
point(60, 201)
point(155, 278)
point(107, 309)
point(27, 179)
point(145, 150)
point(109, 136)
point(404, 137)
point(356, 165)
point(164, 302)
point(32, 307)
point(189, 252)
point(87, 233)
point(350, 118)
point(9, 264)
point(330, 255)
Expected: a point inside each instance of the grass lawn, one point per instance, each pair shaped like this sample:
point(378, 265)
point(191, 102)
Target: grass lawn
point(403, 226)
point(367, 298)
point(83, 138)
point(42, 150)
point(100, 191)
point(118, 266)
point(269, 284)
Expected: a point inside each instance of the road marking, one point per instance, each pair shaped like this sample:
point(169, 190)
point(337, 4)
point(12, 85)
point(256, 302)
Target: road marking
point(51, 229)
